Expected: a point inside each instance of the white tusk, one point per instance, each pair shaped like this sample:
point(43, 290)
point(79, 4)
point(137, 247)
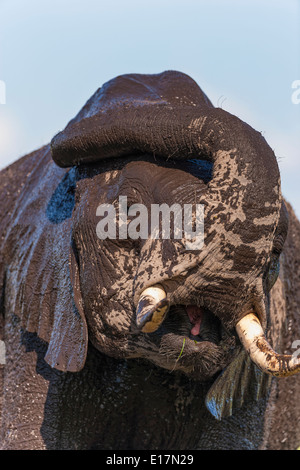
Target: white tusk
point(254, 341)
point(151, 309)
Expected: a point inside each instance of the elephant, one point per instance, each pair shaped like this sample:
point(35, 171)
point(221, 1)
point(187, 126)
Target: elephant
point(149, 342)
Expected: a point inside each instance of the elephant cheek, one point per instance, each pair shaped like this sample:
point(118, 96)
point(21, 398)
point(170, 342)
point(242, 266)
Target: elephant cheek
point(111, 318)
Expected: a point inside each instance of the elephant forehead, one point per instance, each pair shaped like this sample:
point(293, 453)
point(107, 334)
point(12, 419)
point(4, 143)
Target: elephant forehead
point(160, 183)
point(147, 173)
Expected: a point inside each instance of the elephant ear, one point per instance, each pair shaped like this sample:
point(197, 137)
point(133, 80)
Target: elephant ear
point(39, 268)
point(68, 343)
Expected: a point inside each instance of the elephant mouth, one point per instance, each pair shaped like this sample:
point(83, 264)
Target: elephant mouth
point(192, 339)
point(195, 323)
point(189, 338)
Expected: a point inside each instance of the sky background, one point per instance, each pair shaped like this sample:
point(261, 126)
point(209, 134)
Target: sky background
point(244, 54)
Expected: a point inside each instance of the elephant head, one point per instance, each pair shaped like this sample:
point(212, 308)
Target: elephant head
point(154, 140)
point(151, 138)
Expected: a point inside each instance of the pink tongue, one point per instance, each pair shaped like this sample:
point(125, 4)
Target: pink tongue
point(195, 315)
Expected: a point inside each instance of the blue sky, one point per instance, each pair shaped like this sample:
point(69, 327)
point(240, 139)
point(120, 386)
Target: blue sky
point(245, 55)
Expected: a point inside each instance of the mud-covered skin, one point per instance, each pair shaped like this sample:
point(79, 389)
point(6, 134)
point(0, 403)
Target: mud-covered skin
point(64, 224)
point(153, 410)
point(111, 404)
point(76, 362)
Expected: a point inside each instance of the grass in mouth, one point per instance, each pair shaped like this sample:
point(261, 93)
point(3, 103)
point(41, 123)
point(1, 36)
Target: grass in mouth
point(183, 344)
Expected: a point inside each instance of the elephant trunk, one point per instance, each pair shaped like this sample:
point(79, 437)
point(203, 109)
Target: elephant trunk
point(239, 153)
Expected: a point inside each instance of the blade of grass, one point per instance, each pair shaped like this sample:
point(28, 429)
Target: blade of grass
point(181, 350)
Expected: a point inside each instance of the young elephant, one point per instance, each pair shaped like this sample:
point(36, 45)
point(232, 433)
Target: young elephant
point(117, 335)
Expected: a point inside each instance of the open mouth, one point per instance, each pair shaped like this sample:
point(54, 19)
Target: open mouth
point(190, 337)
point(194, 340)
point(205, 325)
point(194, 323)
point(195, 315)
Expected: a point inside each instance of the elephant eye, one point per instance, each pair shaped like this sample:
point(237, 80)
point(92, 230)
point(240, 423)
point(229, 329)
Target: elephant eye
point(202, 169)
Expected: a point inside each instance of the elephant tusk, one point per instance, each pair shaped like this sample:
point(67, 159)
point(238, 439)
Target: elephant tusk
point(254, 341)
point(152, 309)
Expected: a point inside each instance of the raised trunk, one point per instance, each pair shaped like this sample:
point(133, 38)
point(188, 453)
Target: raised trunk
point(245, 176)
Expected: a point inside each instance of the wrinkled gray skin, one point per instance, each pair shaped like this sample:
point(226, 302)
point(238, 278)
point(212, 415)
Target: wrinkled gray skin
point(79, 374)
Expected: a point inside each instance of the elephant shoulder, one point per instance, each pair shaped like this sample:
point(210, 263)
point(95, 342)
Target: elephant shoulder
point(291, 268)
point(15, 182)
